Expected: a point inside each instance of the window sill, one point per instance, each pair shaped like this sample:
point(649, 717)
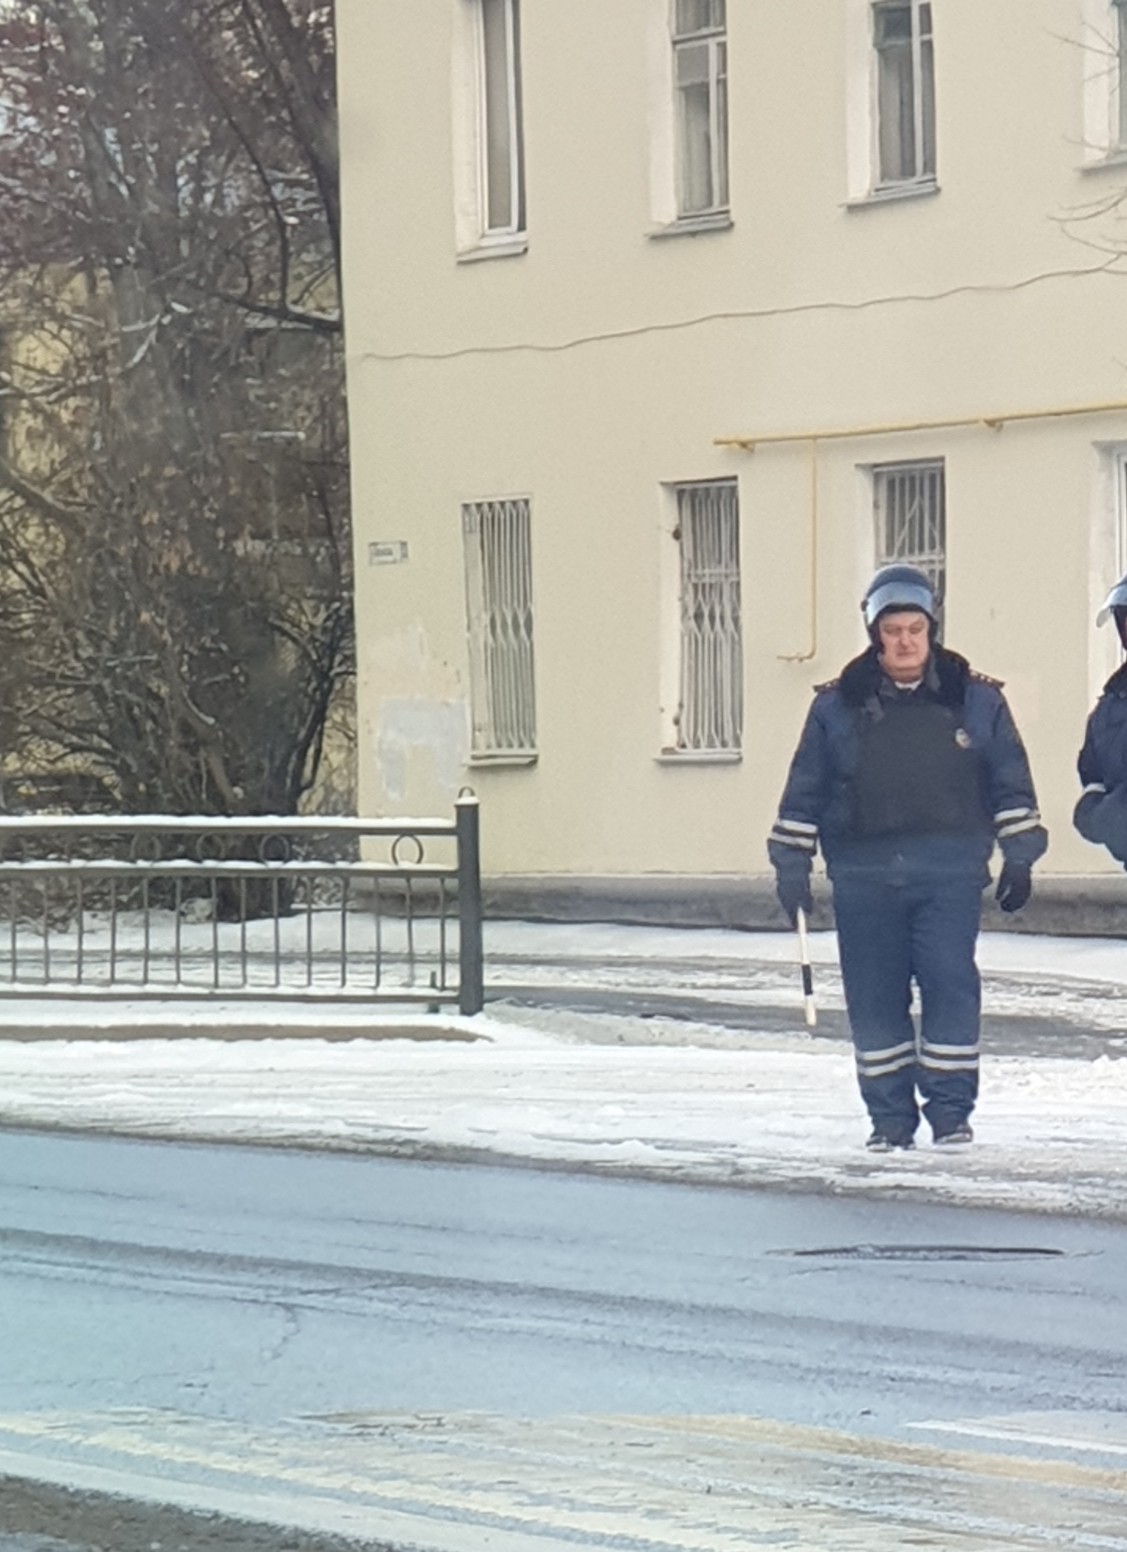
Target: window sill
point(1116, 157)
point(699, 757)
point(894, 192)
point(692, 226)
point(500, 248)
point(508, 757)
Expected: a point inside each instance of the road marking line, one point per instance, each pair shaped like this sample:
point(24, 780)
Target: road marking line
point(1094, 1433)
point(459, 1482)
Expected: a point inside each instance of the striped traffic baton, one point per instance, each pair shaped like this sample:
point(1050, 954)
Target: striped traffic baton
point(807, 973)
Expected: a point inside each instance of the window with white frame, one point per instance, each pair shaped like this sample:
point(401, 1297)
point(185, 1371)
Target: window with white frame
point(710, 703)
point(500, 135)
point(1112, 545)
point(1119, 563)
point(905, 92)
point(1104, 38)
point(1119, 72)
point(910, 511)
point(700, 77)
point(498, 559)
point(1107, 553)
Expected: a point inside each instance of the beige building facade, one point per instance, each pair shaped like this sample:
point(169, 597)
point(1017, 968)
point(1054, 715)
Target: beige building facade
point(667, 321)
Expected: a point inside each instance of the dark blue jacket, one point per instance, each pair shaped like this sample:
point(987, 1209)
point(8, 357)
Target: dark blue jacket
point(817, 807)
point(1101, 814)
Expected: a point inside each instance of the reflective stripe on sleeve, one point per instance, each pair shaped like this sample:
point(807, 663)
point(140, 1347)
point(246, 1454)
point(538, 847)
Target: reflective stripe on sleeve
point(794, 832)
point(1014, 821)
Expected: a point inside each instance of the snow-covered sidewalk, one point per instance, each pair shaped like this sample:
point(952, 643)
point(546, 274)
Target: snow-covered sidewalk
point(597, 1091)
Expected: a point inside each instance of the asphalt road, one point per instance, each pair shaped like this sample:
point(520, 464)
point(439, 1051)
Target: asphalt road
point(332, 1340)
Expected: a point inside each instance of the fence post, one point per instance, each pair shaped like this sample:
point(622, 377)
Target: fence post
point(471, 958)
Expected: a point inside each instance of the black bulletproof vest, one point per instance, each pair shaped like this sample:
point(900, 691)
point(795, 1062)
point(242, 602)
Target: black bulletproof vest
point(916, 772)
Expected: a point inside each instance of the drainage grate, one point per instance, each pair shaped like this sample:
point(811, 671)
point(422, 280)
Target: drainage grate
point(926, 1253)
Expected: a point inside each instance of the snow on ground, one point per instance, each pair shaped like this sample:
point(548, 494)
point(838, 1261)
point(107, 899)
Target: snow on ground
point(1090, 959)
point(592, 1091)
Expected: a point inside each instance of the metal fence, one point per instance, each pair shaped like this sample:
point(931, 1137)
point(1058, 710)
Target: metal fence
point(153, 905)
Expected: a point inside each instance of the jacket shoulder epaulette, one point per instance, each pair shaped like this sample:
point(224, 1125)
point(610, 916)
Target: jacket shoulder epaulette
point(995, 684)
point(829, 684)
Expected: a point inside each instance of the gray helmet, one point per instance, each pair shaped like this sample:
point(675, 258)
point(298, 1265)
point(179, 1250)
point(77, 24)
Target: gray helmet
point(899, 587)
point(1115, 607)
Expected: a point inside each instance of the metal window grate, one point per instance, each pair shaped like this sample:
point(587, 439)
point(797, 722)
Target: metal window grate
point(498, 553)
point(902, 38)
point(700, 67)
point(910, 507)
point(711, 704)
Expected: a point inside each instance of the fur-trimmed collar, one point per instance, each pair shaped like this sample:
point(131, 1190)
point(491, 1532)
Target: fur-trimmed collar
point(860, 679)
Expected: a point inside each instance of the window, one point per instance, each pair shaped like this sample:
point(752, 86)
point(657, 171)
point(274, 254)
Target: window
point(909, 504)
point(700, 76)
point(1119, 43)
point(1119, 559)
point(498, 556)
point(1104, 38)
point(1107, 555)
point(905, 92)
point(1111, 540)
point(710, 704)
point(500, 133)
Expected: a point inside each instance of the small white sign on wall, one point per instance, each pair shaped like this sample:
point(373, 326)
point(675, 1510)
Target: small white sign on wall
point(387, 552)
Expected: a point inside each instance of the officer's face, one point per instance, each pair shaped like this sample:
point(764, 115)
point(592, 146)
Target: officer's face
point(904, 644)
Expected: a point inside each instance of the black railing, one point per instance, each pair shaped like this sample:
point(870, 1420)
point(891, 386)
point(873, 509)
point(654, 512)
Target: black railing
point(157, 905)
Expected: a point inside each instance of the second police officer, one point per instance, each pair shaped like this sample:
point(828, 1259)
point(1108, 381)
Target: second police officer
point(1101, 814)
point(908, 771)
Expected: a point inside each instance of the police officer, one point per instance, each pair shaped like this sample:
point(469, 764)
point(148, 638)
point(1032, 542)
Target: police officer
point(1101, 813)
point(908, 770)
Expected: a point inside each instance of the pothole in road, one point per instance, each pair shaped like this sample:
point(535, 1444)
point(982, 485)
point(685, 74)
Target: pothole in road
point(925, 1253)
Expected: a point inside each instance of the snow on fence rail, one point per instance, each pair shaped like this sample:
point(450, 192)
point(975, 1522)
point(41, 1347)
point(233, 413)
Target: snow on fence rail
point(354, 909)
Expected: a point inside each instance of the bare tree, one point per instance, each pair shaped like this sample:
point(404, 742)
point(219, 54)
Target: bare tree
point(174, 549)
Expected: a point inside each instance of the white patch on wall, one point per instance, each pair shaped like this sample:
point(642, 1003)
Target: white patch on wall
point(412, 729)
point(398, 656)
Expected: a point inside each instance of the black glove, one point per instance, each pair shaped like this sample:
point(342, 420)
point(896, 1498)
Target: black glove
point(1101, 817)
point(792, 885)
point(1014, 886)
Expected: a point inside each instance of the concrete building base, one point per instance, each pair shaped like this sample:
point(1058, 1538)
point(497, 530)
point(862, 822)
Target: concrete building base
point(1070, 905)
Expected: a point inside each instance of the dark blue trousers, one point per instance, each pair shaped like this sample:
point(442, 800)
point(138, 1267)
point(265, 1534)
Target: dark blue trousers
point(892, 933)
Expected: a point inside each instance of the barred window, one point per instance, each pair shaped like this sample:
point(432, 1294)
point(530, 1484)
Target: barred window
point(498, 558)
point(700, 72)
point(905, 57)
point(910, 507)
point(710, 713)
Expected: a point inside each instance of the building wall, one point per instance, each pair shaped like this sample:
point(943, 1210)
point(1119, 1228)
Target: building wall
point(603, 363)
